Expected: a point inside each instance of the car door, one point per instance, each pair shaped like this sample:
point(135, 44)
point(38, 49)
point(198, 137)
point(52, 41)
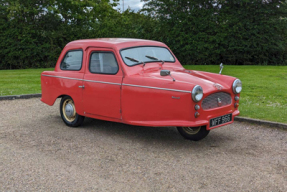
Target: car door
point(68, 77)
point(102, 84)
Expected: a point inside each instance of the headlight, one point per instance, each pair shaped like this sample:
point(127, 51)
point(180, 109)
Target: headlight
point(197, 93)
point(237, 86)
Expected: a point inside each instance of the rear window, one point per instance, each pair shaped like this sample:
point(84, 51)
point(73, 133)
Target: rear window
point(72, 60)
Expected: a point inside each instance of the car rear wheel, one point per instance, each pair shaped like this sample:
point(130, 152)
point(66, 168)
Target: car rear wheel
point(193, 133)
point(69, 113)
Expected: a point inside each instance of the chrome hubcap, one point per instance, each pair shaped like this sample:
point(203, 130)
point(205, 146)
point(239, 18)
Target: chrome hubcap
point(69, 110)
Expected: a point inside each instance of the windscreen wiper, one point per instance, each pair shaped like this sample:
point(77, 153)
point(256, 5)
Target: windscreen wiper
point(156, 59)
point(134, 60)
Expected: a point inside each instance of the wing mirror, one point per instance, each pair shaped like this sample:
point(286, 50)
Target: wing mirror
point(166, 73)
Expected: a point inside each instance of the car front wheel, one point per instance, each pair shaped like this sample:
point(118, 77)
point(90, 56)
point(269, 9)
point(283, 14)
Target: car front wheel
point(69, 113)
point(193, 133)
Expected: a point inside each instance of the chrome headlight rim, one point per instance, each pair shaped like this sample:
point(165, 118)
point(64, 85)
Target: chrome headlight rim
point(197, 91)
point(237, 84)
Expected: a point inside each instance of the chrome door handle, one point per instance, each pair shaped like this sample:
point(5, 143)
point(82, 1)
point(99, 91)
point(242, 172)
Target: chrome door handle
point(83, 87)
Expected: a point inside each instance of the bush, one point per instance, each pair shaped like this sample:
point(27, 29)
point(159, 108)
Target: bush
point(248, 32)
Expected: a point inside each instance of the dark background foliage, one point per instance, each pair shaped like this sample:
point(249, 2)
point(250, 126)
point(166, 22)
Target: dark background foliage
point(236, 32)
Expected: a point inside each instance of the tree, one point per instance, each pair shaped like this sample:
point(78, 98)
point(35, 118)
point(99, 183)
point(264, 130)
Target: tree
point(232, 32)
point(33, 32)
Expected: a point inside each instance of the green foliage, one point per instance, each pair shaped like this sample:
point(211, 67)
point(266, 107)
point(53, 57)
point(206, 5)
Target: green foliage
point(127, 24)
point(33, 32)
point(249, 32)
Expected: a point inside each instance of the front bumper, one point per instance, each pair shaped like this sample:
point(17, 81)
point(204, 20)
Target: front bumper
point(180, 123)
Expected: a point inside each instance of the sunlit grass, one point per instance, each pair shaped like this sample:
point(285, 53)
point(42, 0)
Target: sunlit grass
point(18, 82)
point(264, 94)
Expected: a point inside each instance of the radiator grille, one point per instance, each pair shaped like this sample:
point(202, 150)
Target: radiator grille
point(216, 100)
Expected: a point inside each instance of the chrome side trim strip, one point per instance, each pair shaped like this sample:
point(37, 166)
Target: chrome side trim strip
point(103, 82)
point(157, 88)
point(62, 77)
point(131, 85)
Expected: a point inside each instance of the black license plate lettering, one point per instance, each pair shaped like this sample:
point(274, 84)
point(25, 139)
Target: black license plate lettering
point(225, 118)
point(220, 120)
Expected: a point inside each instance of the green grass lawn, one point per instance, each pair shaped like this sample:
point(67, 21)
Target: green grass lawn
point(264, 94)
point(23, 81)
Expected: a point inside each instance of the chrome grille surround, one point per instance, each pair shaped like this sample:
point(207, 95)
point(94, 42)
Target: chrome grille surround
point(212, 101)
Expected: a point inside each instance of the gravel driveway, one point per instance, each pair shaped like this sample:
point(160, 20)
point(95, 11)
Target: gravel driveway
point(38, 152)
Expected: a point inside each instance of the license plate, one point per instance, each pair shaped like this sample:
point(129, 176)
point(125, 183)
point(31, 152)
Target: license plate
point(220, 120)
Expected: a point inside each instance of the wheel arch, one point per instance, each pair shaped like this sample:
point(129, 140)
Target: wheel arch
point(74, 119)
point(63, 95)
point(51, 101)
point(78, 105)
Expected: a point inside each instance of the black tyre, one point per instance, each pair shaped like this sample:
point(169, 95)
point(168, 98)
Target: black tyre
point(193, 133)
point(69, 114)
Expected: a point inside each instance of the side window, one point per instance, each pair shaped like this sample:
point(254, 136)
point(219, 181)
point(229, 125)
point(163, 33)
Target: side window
point(72, 60)
point(103, 63)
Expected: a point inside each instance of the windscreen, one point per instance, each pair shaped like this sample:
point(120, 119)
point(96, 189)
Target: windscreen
point(136, 55)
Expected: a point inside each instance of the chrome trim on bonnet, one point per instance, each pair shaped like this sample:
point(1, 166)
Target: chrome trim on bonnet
point(157, 88)
point(141, 86)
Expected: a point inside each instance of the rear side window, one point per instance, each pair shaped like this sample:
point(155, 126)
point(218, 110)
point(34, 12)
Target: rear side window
point(103, 63)
point(72, 60)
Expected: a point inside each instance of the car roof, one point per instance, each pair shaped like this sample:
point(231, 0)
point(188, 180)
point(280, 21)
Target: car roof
point(117, 43)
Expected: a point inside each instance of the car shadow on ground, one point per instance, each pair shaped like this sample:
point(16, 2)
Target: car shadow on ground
point(153, 135)
point(148, 138)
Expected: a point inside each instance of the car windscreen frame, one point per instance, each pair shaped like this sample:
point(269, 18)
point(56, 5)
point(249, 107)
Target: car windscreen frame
point(146, 61)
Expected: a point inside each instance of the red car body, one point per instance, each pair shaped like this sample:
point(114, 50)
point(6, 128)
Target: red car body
point(137, 95)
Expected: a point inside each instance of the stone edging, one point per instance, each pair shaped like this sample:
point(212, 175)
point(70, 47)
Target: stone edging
point(240, 119)
point(12, 97)
point(261, 122)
